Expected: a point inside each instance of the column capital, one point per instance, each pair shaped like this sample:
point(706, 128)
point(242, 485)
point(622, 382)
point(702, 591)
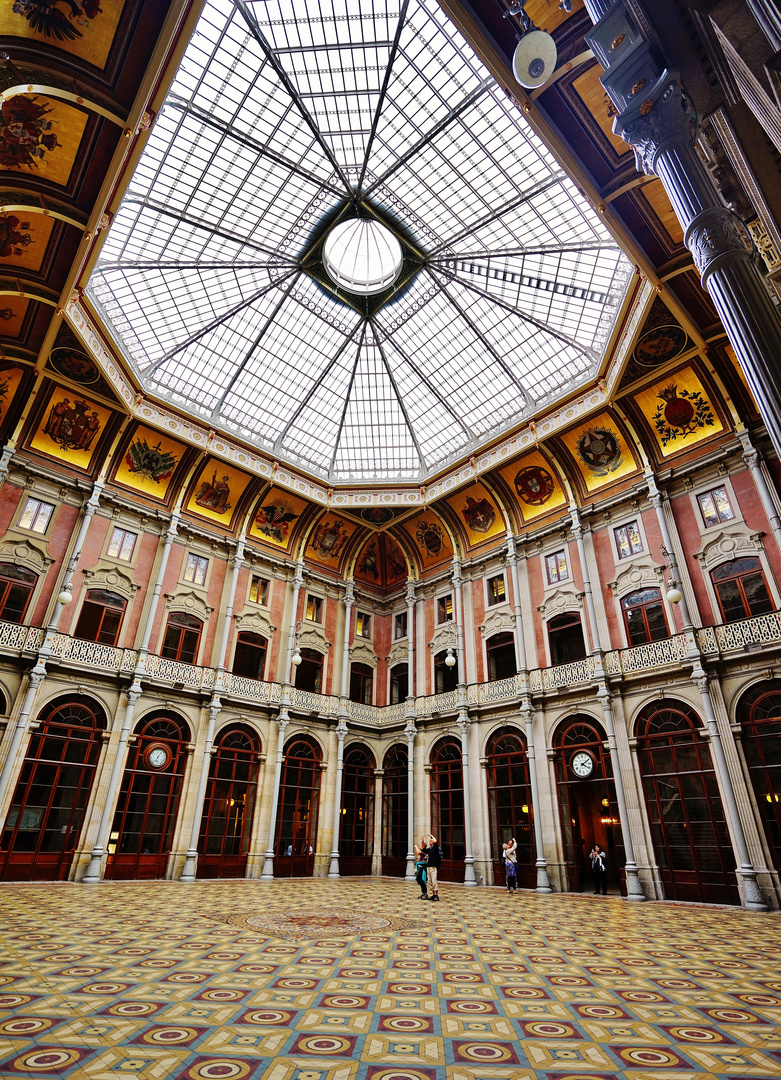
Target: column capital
point(298, 576)
point(714, 236)
point(409, 595)
point(456, 577)
point(662, 115)
point(341, 728)
point(349, 594)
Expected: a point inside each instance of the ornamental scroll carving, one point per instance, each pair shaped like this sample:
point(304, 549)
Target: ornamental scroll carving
point(731, 543)
point(563, 599)
point(715, 233)
point(665, 114)
point(497, 623)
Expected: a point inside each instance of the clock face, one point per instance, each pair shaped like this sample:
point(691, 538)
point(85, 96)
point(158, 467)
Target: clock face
point(157, 757)
point(582, 764)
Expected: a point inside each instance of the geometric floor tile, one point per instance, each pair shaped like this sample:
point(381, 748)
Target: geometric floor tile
point(164, 981)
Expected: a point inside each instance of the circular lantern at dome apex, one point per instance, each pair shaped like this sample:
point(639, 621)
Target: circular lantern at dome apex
point(362, 256)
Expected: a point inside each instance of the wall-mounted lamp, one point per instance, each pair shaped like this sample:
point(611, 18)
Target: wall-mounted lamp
point(296, 658)
point(450, 660)
point(674, 594)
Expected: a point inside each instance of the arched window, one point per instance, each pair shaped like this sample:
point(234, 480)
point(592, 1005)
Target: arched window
point(445, 678)
point(249, 660)
point(228, 809)
point(299, 803)
point(759, 713)
point(46, 815)
point(101, 617)
point(395, 809)
point(644, 616)
point(510, 803)
point(309, 673)
point(447, 807)
point(741, 588)
point(143, 828)
point(565, 636)
point(182, 637)
point(361, 679)
point(399, 683)
point(500, 651)
point(587, 801)
point(16, 588)
point(688, 830)
point(356, 845)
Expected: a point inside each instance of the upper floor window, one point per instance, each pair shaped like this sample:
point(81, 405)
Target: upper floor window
point(500, 651)
point(556, 567)
point(444, 608)
point(122, 544)
point(314, 609)
point(249, 659)
point(361, 678)
point(16, 588)
point(741, 588)
point(644, 616)
point(400, 625)
point(363, 624)
point(36, 516)
point(182, 637)
point(101, 617)
point(399, 683)
point(715, 506)
point(195, 569)
point(445, 677)
point(258, 590)
point(309, 673)
point(496, 590)
point(628, 540)
point(565, 637)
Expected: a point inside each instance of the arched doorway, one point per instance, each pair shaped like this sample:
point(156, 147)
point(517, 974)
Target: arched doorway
point(145, 818)
point(229, 806)
point(587, 802)
point(46, 814)
point(299, 803)
point(356, 843)
point(395, 811)
point(510, 804)
point(759, 713)
point(689, 833)
point(447, 807)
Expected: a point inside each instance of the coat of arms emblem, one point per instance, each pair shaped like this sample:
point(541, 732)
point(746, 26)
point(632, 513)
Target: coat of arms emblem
point(478, 514)
point(534, 485)
point(328, 538)
point(681, 414)
point(73, 427)
point(151, 462)
point(600, 450)
point(430, 537)
point(273, 520)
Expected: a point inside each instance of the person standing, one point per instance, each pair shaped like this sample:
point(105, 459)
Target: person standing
point(511, 864)
point(599, 866)
point(421, 853)
point(433, 860)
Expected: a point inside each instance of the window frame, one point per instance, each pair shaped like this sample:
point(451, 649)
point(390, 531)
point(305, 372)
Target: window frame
point(549, 583)
point(443, 600)
point(641, 607)
point(396, 616)
point(491, 602)
point(314, 602)
point(8, 583)
point(643, 549)
point(199, 559)
point(366, 677)
point(125, 533)
point(576, 618)
point(23, 510)
point(492, 650)
point(730, 497)
point(760, 569)
point(106, 607)
point(242, 644)
point(266, 589)
point(183, 630)
point(364, 621)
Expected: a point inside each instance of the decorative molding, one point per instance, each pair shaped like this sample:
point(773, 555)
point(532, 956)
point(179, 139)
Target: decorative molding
point(25, 553)
point(565, 598)
point(254, 622)
point(641, 574)
point(732, 541)
point(314, 638)
point(363, 654)
point(112, 579)
point(399, 652)
point(498, 622)
point(443, 637)
point(188, 601)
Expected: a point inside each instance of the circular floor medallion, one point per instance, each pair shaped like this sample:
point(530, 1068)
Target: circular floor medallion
point(309, 923)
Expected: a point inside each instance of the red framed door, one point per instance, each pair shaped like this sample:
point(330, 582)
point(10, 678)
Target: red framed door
point(145, 818)
point(395, 811)
point(356, 841)
point(760, 714)
point(510, 805)
point(46, 815)
point(447, 807)
point(229, 806)
point(299, 804)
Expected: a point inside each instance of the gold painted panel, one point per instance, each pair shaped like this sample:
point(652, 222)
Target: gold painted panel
point(12, 312)
point(149, 463)
point(329, 538)
point(83, 28)
point(535, 484)
point(592, 93)
point(276, 517)
point(679, 412)
point(658, 199)
point(381, 562)
point(478, 513)
point(430, 537)
point(600, 452)
point(70, 428)
point(217, 491)
point(9, 384)
point(23, 239)
point(40, 136)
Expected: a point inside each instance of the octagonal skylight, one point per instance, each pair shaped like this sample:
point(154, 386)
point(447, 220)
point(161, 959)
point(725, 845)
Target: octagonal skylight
point(287, 118)
point(362, 256)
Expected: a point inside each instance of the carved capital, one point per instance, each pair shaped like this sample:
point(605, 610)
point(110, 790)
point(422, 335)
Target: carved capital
point(409, 595)
point(664, 115)
point(713, 235)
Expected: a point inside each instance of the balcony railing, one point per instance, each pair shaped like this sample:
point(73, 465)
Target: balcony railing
point(713, 641)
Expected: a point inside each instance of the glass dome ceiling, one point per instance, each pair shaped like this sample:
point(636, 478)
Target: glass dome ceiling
point(286, 119)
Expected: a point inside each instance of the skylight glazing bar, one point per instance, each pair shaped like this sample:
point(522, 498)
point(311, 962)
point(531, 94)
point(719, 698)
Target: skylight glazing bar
point(383, 94)
point(195, 223)
point(338, 439)
point(399, 397)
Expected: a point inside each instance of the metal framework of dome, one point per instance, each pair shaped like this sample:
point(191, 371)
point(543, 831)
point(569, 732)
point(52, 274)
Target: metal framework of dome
point(362, 256)
point(286, 120)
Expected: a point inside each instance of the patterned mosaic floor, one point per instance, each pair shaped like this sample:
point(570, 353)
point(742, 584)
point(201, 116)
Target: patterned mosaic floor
point(151, 980)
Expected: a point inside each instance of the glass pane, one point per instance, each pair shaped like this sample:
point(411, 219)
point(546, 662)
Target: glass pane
point(710, 514)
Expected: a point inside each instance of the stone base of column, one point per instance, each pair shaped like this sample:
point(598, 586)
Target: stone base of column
point(268, 867)
point(543, 881)
point(333, 869)
point(752, 897)
point(410, 871)
point(190, 866)
point(94, 873)
point(469, 871)
point(634, 887)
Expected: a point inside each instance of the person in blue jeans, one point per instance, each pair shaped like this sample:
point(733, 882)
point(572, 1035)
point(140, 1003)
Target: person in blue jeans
point(421, 853)
point(432, 868)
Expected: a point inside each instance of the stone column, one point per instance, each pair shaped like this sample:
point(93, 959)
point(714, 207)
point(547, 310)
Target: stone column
point(215, 707)
point(410, 731)
point(751, 895)
point(592, 627)
point(751, 458)
point(341, 728)
point(95, 869)
point(463, 722)
point(38, 674)
point(634, 888)
point(656, 500)
point(527, 715)
point(283, 719)
point(377, 824)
